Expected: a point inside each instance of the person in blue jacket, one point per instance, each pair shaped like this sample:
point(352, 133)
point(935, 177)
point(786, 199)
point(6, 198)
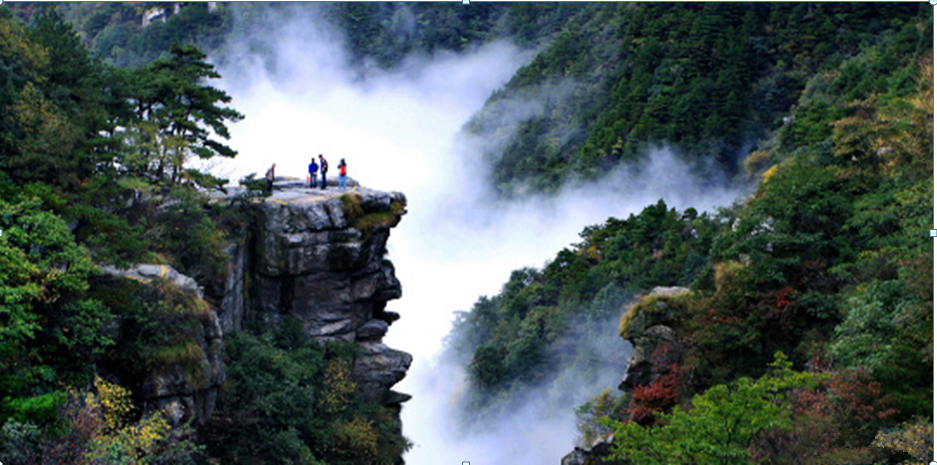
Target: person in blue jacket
point(313, 168)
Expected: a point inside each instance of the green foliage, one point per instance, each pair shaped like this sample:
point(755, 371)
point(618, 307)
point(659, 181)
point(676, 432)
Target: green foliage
point(289, 399)
point(487, 368)
point(173, 95)
point(351, 206)
point(651, 310)
point(383, 34)
point(704, 80)
point(91, 140)
point(821, 259)
point(914, 438)
point(589, 416)
point(368, 222)
point(161, 327)
point(50, 327)
point(18, 441)
point(185, 231)
point(97, 425)
point(563, 317)
point(866, 335)
point(111, 237)
point(75, 186)
point(42, 409)
point(826, 258)
point(721, 425)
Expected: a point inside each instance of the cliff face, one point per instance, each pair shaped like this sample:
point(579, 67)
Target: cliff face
point(649, 327)
point(319, 257)
point(305, 253)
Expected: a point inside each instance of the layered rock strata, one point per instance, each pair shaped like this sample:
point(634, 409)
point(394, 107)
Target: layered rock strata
point(319, 256)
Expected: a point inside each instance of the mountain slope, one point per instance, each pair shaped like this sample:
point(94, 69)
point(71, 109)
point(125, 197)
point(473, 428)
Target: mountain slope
point(709, 80)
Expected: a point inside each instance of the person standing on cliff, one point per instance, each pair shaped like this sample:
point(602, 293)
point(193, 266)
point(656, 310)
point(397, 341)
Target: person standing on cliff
point(323, 167)
point(342, 175)
point(313, 171)
point(270, 177)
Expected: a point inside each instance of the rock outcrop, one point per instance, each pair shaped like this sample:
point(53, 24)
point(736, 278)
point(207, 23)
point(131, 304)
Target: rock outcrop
point(190, 390)
point(185, 388)
point(649, 325)
point(319, 256)
point(146, 273)
point(651, 333)
point(594, 454)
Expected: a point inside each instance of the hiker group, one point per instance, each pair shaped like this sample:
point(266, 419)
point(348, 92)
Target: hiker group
point(314, 169)
point(323, 167)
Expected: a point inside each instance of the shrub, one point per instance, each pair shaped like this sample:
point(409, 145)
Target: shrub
point(102, 427)
point(603, 405)
point(160, 326)
point(293, 398)
point(371, 221)
point(722, 424)
point(916, 438)
point(351, 207)
point(648, 402)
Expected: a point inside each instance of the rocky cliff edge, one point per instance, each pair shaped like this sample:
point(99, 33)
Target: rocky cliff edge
point(316, 255)
point(319, 256)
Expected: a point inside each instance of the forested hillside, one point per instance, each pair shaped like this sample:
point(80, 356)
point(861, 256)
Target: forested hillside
point(94, 178)
point(90, 155)
point(709, 80)
point(807, 312)
point(126, 33)
point(807, 321)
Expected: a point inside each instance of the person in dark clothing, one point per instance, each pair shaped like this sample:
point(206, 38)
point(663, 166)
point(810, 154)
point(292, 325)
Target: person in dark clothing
point(270, 175)
point(342, 175)
point(313, 170)
point(323, 167)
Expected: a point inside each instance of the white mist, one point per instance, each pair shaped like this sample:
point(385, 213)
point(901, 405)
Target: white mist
point(400, 131)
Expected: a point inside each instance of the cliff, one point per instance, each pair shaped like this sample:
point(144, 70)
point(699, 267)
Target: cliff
point(649, 326)
point(318, 256)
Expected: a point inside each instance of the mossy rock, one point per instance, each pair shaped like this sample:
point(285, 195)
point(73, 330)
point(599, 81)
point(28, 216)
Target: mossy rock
point(366, 215)
point(664, 306)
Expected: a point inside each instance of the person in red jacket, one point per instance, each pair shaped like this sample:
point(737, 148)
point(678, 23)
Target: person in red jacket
point(342, 175)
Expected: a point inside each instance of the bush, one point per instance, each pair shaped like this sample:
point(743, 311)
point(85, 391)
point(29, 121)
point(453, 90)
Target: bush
point(290, 397)
point(160, 326)
point(721, 425)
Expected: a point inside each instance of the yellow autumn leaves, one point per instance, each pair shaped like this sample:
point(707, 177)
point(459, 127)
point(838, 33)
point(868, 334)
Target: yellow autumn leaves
point(105, 418)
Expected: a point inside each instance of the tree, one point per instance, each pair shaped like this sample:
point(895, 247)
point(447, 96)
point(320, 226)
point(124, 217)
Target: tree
point(721, 425)
point(171, 93)
point(69, 66)
point(49, 328)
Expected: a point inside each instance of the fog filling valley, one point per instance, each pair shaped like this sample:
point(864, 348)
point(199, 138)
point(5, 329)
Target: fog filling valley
point(401, 130)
